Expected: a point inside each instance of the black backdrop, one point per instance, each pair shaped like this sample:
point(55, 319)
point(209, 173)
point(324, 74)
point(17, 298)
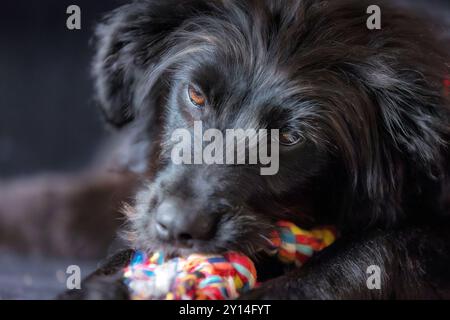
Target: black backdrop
point(47, 118)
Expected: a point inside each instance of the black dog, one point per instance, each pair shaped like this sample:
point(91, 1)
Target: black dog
point(364, 124)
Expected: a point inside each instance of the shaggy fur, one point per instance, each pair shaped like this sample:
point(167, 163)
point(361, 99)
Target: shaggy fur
point(374, 160)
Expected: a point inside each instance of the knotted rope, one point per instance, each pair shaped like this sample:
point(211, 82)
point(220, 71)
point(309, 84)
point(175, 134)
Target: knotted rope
point(217, 277)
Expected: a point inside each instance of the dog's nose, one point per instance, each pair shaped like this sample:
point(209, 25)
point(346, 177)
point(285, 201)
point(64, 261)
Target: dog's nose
point(183, 224)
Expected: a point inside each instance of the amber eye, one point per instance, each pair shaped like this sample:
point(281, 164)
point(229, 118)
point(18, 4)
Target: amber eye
point(290, 138)
point(197, 98)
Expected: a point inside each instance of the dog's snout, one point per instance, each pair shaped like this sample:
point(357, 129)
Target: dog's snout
point(183, 224)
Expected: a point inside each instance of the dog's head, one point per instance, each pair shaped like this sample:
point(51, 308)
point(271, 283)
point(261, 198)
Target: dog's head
point(360, 113)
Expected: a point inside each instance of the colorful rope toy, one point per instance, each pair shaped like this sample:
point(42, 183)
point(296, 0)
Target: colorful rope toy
point(217, 277)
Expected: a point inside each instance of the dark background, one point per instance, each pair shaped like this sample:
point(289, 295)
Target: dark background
point(48, 121)
point(47, 118)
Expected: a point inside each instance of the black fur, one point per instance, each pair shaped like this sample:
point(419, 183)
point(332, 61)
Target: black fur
point(369, 104)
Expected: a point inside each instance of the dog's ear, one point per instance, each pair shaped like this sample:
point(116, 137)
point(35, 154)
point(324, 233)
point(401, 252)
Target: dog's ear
point(397, 140)
point(129, 43)
point(114, 69)
point(409, 146)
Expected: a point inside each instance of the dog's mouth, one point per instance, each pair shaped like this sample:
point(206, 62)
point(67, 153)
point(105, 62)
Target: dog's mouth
point(245, 233)
point(175, 249)
point(242, 229)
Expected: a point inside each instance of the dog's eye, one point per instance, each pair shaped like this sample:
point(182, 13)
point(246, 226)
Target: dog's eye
point(290, 138)
point(196, 97)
